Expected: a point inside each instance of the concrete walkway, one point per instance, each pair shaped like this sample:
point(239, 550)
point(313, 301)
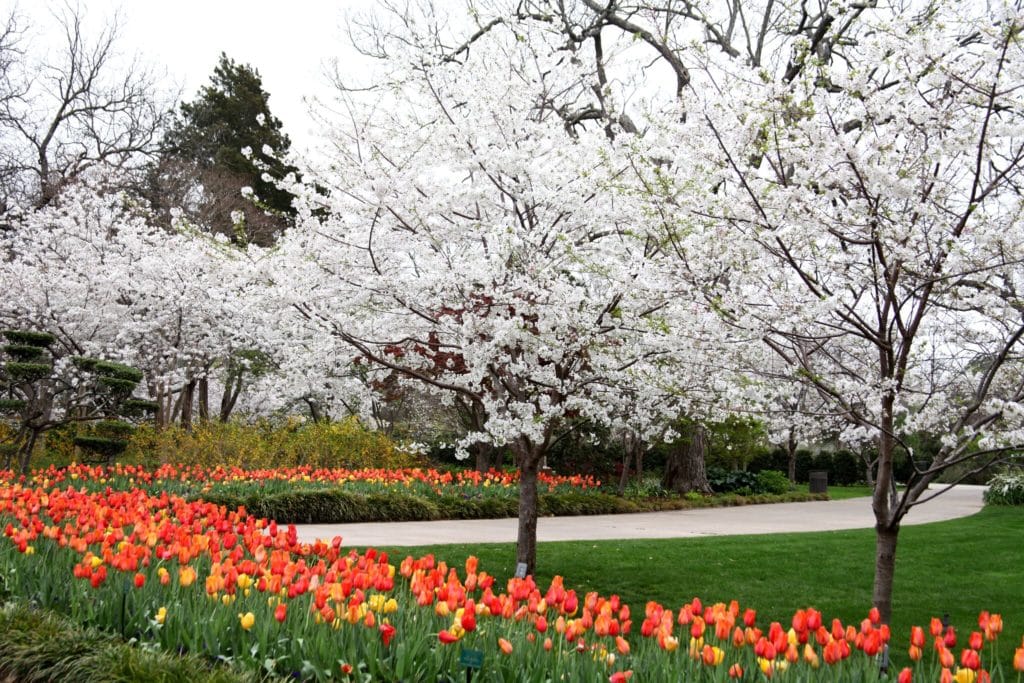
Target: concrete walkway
point(853, 513)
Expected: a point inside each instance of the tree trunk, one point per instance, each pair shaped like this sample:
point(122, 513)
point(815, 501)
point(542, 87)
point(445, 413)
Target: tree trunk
point(684, 466)
point(484, 456)
point(632, 452)
point(187, 397)
point(314, 409)
point(791, 445)
point(232, 388)
point(204, 399)
point(528, 458)
point(887, 521)
point(885, 569)
point(25, 456)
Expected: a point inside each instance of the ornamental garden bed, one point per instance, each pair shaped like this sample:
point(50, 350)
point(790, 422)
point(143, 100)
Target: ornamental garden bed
point(193, 577)
point(336, 495)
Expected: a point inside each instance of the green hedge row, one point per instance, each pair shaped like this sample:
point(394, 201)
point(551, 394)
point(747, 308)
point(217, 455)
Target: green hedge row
point(335, 506)
point(40, 646)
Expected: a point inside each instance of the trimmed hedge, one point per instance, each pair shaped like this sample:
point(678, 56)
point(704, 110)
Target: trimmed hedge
point(335, 506)
point(39, 646)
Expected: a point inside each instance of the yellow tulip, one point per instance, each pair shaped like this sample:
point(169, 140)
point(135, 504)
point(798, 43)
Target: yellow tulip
point(247, 620)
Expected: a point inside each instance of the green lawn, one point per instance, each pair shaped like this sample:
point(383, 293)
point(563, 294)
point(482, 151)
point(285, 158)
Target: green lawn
point(959, 567)
point(844, 492)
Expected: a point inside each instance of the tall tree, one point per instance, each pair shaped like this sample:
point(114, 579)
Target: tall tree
point(870, 214)
point(71, 109)
point(225, 140)
point(470, 236)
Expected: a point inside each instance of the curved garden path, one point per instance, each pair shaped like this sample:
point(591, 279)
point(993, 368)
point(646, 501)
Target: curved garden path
point(832, 515)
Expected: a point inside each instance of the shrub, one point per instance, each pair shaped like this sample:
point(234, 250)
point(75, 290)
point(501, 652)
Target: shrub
point(346, 443)
point(775, 459)
point(846, 468)
point(805, 462)
point(730, 481)
point(1006, 488)
point(772, 481)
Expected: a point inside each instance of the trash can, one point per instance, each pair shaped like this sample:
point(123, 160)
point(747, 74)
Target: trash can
point(819, 481)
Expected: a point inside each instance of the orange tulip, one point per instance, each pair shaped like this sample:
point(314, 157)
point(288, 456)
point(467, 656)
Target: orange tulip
point(505, 646)
point(1018, 659)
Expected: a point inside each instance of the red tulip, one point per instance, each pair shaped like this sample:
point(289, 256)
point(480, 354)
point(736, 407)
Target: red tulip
point(906, 676)
point(281, 612)
point(917, 636)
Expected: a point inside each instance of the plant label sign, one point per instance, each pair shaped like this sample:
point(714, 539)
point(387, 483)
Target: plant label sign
point(520, 570)
point(471, 659)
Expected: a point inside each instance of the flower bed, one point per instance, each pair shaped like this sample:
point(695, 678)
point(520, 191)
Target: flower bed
point(195, 577)
point(198, 480)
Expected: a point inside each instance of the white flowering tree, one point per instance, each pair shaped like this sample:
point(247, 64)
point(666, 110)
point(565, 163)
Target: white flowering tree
point(93, 271)
point(868, 211)
point(467, 233)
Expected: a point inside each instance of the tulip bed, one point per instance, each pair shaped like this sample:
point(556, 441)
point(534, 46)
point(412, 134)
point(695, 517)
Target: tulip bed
point(196, 577)
point(189, 480)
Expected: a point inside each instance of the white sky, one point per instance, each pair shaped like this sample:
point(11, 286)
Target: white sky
point(287, 42)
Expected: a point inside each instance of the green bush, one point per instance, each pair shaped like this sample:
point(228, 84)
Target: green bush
point(775, 459)
point(729, 481)
point(846, 468)
point(772, 481)
point(346, 443)
point(1006, 488)
point(40, 646)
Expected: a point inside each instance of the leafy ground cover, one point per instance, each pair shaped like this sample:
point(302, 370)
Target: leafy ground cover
point(194, 577)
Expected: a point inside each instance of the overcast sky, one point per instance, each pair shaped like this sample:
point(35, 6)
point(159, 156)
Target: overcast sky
point(288, 42)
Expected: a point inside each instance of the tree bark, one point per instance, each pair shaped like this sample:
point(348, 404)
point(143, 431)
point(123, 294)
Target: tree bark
point(528, 458)
point(684, 466)
point(204, 399)
point(885, 569)
point(791, 445)
point(232, 388)
point(25, 456)
point(187, 396)
point(887, 523)
point(632, 452)
point(484, 456)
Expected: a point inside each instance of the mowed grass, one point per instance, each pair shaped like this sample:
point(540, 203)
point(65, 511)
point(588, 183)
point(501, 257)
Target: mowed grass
point(958, 567)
